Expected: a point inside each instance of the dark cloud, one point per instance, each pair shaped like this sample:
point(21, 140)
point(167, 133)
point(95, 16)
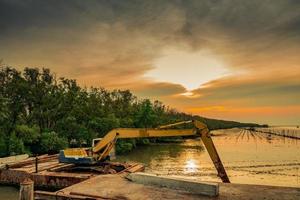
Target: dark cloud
point(114, 43)
point(237, 30)
point(234, 16)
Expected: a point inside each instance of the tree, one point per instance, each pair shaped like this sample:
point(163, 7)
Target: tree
point(43, 114)
point(16, 145)
point(145, 116)
point(52, 143)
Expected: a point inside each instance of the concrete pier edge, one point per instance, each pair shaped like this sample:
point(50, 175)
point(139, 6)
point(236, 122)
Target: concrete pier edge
point(177, 183)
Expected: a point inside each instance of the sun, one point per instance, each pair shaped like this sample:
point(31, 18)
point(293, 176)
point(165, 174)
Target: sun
point(189, 69)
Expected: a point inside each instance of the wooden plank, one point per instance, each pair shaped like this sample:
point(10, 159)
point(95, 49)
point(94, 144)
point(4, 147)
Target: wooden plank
point(31, 160)
point(136, 168)
point(11, 159)
point(60, 167)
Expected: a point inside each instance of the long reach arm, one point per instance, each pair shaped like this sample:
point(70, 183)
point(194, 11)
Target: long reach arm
point(201, 129)
point(102, 149)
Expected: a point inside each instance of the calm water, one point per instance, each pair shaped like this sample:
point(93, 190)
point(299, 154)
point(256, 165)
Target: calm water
point(8, 193)
point(249, 157)
point(293, 131)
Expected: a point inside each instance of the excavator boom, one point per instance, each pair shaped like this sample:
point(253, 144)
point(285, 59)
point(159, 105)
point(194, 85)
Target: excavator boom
point(140, 133)
point(102, 149)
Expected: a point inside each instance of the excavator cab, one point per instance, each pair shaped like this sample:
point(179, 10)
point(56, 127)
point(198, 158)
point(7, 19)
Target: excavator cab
point(76, 156)
point(82, 156)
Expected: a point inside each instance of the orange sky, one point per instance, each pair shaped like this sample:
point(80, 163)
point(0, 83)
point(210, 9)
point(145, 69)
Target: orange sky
point(236, 60)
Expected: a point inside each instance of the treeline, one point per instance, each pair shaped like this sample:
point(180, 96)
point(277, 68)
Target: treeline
point(40, 113)
point(214, 124)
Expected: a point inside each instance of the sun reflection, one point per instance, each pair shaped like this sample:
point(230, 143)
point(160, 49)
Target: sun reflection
point(190, 166)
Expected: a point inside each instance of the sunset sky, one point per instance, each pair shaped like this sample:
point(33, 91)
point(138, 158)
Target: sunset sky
point(225, 59)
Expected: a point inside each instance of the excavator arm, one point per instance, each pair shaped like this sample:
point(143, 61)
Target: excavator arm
point(203, 131)
point(119, 133)
point(212, 151)
point(102, 149)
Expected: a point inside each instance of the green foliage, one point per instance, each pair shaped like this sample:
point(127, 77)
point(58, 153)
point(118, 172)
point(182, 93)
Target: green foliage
point(125, 145)
point(43, 114)
point(143, 141)
point(105, 124)
point(214, 124)
point(28, 134)
point(3, 148)
point(16, 145)
point(52, 143)
point(145, 116)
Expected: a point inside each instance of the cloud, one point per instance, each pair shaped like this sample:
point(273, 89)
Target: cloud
point(115, 43)
point(259, 98)
point(158, 90)
point(235, 29)
point(247, 90)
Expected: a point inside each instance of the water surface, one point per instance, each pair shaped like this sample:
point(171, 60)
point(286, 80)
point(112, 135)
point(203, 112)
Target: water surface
point(8, 193)
point(249, 157)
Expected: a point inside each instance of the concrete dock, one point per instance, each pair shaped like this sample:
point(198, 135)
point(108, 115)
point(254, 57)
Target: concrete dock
point(118, 187)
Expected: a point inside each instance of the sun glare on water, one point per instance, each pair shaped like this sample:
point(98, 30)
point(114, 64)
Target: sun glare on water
point(190, 166)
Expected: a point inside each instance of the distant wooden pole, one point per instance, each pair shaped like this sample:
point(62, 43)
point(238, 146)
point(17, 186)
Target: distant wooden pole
point(26, 190)
point(36, 164)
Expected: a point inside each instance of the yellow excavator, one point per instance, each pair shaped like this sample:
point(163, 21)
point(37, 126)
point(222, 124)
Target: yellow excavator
point(101, 150)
